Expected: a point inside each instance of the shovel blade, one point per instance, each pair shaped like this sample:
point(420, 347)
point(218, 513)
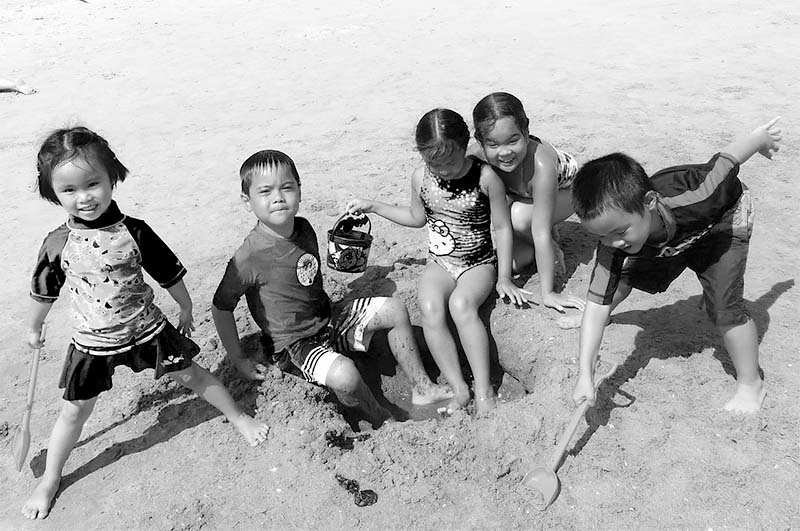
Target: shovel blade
point(20, 446)
point(544, 484)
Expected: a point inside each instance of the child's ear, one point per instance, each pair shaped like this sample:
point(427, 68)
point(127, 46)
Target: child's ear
point(246, 200)
point(650, 200)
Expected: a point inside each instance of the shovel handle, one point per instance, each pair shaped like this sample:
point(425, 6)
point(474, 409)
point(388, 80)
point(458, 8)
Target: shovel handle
point(577, 415)
point(32, 379)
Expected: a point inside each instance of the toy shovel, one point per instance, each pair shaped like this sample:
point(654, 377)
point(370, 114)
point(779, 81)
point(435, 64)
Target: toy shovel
point(22, 435)
point(543, 479)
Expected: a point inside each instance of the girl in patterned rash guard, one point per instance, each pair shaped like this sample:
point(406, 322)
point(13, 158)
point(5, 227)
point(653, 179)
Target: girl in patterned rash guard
point(99, 256)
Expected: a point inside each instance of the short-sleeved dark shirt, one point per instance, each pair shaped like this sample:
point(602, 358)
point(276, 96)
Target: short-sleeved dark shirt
point(691, 199)
point(282, 282)
point(100, 262)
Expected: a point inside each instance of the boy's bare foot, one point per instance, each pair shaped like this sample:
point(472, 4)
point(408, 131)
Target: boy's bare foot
point(249, 369)
point(41, 500)
point(254, 431)
point(747, 399)
point(460, 399)
point(429, 394)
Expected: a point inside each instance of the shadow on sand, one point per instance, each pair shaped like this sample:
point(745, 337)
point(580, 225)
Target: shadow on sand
point(670, 321)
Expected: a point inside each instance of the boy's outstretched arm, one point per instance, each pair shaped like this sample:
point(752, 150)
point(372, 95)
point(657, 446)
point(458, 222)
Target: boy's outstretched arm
point(179, 292)
point(225, 324)
point(595, 317)
point(38, 312)
point(763, 140)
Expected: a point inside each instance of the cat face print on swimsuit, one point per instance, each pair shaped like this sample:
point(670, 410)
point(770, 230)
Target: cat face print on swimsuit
point(505, 146)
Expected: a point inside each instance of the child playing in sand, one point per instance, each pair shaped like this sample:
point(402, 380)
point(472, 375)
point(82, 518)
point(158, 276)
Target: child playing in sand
point(698, 216)
point(99, 254)
point(277, 267)
point(537, 179)
point(460, 199)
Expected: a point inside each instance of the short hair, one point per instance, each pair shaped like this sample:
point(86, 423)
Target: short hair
point(495, 106)
point(615, 180)
point(440, 132)
point(63, 145)
point(263, 161)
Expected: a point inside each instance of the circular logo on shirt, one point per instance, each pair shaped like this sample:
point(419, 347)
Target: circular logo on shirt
point(307, 267)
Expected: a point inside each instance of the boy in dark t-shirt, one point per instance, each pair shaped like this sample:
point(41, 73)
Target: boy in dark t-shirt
point(277, 269)
point(698, 216)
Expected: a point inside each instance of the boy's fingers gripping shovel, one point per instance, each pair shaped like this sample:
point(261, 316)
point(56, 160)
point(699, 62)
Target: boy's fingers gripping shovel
point(22, 435)
point(543, 479)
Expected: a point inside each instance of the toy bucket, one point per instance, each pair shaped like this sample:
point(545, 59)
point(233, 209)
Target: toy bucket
point(348, 249)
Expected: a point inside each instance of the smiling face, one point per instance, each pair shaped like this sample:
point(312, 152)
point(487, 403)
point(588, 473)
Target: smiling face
point(623, 230)
point(82, 187)
point(274, 198)
point(505, 145)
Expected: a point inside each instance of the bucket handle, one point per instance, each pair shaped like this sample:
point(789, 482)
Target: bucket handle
point(357, 221)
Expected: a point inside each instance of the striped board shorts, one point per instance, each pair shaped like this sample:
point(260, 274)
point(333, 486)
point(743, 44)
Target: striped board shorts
point(346, 334)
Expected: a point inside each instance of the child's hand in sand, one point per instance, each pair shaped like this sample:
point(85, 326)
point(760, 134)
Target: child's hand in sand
point(250, 369)
point(769, 135)
point(560, 301)
point(584, 390)
point(507, 290)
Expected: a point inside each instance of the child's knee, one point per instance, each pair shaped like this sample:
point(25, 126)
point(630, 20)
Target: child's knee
point(395, 311)
point(462, 308)
point(433, 311)
point(77, 411)
point(343, 376)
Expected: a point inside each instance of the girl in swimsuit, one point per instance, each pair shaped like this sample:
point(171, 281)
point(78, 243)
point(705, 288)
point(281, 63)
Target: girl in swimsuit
point(538, 179)
point(459, 198)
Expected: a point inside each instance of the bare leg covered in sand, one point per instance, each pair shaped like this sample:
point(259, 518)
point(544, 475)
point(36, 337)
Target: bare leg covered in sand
point(393, 317)
point(65, 434)
point(212, 391)
point(742, 344)
point(346, 383)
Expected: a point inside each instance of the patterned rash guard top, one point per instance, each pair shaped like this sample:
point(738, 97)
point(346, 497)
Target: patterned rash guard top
point(100, 262)
point(459, 221)
point(565, 172)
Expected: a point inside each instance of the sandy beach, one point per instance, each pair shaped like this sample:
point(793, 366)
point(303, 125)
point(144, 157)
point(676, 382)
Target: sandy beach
point(185, 91)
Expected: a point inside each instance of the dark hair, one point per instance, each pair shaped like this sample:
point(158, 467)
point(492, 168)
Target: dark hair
point(262, 161)
point(440, 132)
point(495, 106)
point(615, 180)
point(63, 145)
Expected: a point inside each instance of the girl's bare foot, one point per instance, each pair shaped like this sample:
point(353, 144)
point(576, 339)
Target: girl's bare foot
point(460, 399)
point(41, 500)
point(422, 396)
point(747, 399)
point(254, 431)
point(485, 401)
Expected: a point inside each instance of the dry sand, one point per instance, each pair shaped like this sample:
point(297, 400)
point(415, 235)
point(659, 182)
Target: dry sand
point(185, 91)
